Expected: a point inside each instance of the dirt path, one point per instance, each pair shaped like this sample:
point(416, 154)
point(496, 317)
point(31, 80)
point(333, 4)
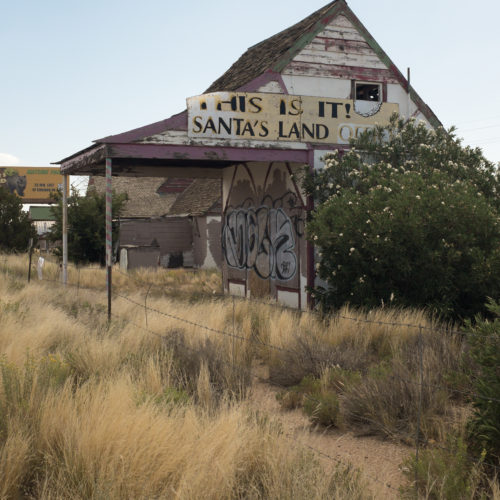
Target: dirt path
point(379, 461)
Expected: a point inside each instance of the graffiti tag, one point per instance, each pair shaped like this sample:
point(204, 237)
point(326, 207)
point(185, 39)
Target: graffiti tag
point(261, 239)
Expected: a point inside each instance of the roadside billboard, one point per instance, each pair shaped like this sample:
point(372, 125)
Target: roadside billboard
point(31, 184)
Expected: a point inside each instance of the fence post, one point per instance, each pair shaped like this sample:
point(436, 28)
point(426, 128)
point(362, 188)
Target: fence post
point(419, 412)
point(146, 304)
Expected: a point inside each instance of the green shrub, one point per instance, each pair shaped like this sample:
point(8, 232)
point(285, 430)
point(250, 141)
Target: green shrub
point(320, 403)
point(444, 474)
point(413, 221)
point(323, 408)
point(385, 402)
point(484, 427)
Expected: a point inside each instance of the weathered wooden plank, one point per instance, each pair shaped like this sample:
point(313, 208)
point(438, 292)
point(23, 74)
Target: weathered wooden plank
point(339, 45)
point(214, 154)
point(343, 33)
point(313, 57)
point(296, 68)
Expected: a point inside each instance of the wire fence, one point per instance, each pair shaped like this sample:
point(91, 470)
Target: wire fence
point(420, 382)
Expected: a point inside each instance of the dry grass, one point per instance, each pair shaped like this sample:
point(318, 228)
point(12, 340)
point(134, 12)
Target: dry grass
point(116, 411)
point(91, 410)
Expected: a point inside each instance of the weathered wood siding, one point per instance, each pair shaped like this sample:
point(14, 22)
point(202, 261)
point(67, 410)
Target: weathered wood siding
point(337, 56)
point(173, 234)
point(337, 50)
point(133, 258)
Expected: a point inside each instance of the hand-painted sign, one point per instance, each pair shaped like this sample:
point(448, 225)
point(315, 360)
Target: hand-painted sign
point(279, 117)
point(32, 184)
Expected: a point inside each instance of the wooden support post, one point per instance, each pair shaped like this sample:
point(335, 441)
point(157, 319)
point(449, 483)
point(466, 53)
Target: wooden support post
point(109, 232)
point(64, 276)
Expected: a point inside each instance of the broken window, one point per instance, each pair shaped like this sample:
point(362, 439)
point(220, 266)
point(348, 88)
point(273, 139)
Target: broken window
point(368, 92)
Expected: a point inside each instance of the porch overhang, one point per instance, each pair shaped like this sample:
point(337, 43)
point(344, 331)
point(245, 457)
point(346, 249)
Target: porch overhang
point(164, 160)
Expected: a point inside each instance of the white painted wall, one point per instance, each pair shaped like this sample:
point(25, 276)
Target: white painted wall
point(317, 86)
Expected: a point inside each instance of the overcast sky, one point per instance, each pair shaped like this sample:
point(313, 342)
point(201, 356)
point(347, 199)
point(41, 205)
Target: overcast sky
point(73, 71)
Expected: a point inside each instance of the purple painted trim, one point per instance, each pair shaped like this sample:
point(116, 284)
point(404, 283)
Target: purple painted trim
point(223, 154)
point(237, 282)
point(268, 76)
point(175, 122)
point(96, 152)
point(280, 288)
point(328, 147)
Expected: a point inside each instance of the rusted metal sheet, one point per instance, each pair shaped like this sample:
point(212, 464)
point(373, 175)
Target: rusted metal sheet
point(278, 117)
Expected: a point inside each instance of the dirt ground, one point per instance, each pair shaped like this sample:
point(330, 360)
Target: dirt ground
point(379, 461)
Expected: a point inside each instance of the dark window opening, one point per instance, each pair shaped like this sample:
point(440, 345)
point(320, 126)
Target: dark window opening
point(368, 92)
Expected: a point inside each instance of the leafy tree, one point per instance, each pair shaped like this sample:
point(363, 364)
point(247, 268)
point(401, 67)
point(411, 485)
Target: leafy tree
point(15, 227)
point(408, 216)
point(86, 225)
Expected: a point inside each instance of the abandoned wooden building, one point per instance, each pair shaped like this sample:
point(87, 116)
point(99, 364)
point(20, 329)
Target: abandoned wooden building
point(286, 102)
point(173, 222)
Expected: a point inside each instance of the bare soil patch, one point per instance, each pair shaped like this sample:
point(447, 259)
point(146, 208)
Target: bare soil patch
point(378, 461)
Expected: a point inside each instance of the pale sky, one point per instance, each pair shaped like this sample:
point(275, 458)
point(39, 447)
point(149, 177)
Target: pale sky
point(73, 71)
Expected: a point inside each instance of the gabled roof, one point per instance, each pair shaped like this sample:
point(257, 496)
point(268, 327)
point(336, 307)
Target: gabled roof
point(151, 196)
point(143, 199)
point(265, 55)
point(203, 196)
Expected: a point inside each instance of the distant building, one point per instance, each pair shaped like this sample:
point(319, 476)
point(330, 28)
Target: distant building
point(43, 219)
point(172, 222)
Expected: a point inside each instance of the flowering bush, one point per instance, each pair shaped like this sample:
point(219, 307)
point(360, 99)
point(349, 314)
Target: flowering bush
point(410, 217)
